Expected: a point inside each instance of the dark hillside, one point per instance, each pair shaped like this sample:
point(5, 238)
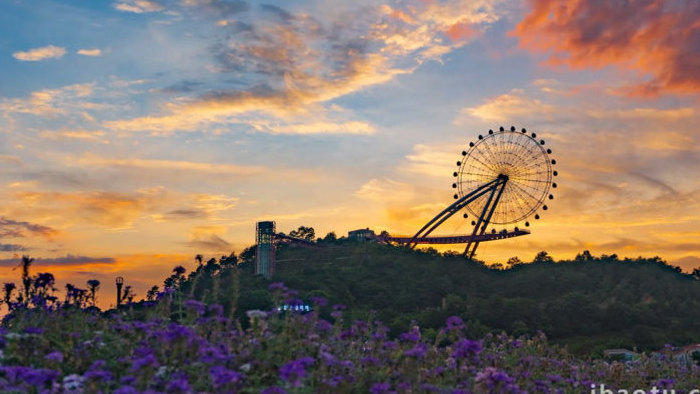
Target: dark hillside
point(588, 304)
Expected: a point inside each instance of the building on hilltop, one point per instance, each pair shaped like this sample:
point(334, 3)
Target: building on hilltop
point(364, 234)
point(265, 250)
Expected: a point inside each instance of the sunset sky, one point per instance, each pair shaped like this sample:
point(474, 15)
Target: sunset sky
point(135, 134)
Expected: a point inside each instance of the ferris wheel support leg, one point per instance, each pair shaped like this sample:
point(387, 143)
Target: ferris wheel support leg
point(454, 209)
point(451, 210)
point(482, 223)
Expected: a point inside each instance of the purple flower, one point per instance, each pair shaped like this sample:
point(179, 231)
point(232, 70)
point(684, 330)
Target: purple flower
point(54, 356)
point(28, 375)
point(334, 381)
point(126, 390)
point(179, 383)
point(454, 323)
point(492, 377)
point(212, 354)
point(336, 314)
point(466, 347)
point(339, 307)
point(664, 383)
point(97, 372)
point(143, 362)
point(34, 330)
point(323, 325)
point(411, 336)
point(318, 301)
point(417, 351)
point(379, 388)
point(196, 306)
point(294, 371)
point(221, 376)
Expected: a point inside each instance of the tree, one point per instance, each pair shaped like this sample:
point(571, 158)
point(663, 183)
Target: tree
point(513, 262)
point(25, 263)
point(198, 258)
point(231, 259)
point(9, 289)
point(248, 254)
point(696, 273)
point(303, 232)
point(128, 294)
point(93, 286)
point(584, 256)
point(330, 237)
point(543, 257)
point(152, 293)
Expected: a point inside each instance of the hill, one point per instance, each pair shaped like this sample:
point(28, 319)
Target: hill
point(589, 304)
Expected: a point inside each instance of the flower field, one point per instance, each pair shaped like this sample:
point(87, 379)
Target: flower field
point(187, 346)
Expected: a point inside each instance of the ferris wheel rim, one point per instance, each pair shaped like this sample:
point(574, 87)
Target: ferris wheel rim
point(529, 167)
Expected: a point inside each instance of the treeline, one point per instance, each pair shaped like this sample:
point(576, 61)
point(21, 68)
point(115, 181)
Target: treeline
point(589, 303)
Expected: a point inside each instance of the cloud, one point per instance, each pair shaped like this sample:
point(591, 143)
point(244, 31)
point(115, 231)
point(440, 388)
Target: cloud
point(108, 209)
point(217, 8)
point(14, 228)
point(139, 6)
point(90, 52)
point(91, 160)
point(201, 206)
point(312, 127)
point(211, 243)
point(185, 213)
point(49, 102)
point(37, 54)
point(512, 107)
point(11, 248)
point(209, 238)
point(657, 38)
point(10, 159)
point(87, 135)
point(289, 64)
point(68, 260)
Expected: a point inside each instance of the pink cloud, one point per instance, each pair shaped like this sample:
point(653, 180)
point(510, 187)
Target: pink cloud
point(660, 39)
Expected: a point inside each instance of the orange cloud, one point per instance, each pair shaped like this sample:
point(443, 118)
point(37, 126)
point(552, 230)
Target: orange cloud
point(658, 38)
point(109, 209)
point(461, 31)
point(139, 6)
point(90, 52)
point(36, 54)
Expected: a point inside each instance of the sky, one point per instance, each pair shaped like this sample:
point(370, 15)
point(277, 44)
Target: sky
point(135, 134)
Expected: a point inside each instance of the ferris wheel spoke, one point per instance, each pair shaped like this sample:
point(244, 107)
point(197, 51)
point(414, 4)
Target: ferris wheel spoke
point(519, 156)
point(485, 165)
point(526, 192)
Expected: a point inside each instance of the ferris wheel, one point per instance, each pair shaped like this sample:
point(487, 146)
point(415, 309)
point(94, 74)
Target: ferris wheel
point(504, 177)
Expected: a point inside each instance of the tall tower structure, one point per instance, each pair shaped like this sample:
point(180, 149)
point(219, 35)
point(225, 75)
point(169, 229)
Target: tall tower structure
point(265, 251)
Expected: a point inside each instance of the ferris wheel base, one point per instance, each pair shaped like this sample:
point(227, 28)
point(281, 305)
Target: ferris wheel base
point(456, 239)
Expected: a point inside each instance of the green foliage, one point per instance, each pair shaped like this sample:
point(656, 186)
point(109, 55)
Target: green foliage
point(304, 232)
point(590, 301)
